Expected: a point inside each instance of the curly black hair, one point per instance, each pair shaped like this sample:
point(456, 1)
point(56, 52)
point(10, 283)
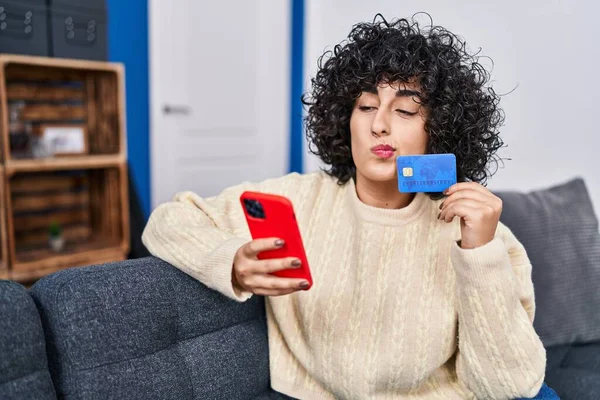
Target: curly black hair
point(462, 113)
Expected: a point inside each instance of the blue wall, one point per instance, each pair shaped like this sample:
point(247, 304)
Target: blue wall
point(297, 86)
point(128, 24)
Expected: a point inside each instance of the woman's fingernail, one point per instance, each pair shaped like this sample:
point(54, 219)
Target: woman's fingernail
point(296, 263)
point(441, 205)
point(446, 191)
point(279, 243)
point(303, 285)
point(439, 215)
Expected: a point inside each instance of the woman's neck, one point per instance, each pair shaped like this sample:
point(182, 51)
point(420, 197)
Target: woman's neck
point(381, 194)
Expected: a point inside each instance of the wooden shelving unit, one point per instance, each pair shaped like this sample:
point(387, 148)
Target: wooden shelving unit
point(52, 164)
point(4, 272)
point(85, 192)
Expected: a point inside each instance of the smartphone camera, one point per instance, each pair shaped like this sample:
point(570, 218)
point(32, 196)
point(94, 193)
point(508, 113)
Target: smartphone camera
point(254, 208)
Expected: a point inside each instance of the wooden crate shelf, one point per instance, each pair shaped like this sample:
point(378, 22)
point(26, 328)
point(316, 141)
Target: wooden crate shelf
point(38, 93)
point(80, 259)
point(90, 205)
point(73, 252)
point(4, 271)
point(63, 163)
point(85, 193)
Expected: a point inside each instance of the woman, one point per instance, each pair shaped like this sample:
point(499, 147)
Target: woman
point(420, 296)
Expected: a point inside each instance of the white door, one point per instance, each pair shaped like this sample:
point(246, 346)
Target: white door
point(219, 88)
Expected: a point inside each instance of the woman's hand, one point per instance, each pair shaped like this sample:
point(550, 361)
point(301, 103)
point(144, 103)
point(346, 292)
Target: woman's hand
point(478, 209)
point(253, 275)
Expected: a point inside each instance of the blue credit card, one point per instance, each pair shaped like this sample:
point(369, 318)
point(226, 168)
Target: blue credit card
point(429, 173)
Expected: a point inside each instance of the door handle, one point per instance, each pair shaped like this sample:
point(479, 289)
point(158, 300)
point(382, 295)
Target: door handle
point(182, 110)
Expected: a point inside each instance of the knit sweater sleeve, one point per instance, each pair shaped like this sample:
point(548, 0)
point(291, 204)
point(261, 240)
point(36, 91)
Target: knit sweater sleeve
point(200, 236)
point(500, 355)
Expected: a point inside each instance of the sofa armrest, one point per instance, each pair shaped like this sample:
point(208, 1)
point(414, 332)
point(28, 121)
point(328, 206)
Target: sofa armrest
point(143, 329)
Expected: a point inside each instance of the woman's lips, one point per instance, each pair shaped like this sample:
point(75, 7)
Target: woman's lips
point(383, 151)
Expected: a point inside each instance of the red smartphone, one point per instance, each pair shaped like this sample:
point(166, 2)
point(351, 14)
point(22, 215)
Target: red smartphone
point(270, 215)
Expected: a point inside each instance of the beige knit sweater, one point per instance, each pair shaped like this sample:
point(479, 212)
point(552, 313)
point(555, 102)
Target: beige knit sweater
point(398, 310)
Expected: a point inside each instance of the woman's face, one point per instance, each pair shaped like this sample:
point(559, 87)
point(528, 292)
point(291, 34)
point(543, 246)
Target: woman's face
point(385, 123)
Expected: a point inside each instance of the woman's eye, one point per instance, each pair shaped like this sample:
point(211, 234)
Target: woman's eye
point(405, 112)
point(366, 108)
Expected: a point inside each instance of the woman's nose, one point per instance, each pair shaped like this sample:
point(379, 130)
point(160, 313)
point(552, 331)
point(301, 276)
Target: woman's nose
point(380, 125)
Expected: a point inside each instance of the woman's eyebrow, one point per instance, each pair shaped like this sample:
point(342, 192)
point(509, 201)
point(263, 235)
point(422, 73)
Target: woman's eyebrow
point(399, 93)
point(407, 93)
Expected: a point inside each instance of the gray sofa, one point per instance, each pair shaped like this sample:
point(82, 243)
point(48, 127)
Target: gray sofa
point(138, 329)
point(142, 329)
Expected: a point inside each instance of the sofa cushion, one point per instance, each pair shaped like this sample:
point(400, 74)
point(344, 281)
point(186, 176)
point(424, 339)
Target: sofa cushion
point(573, 371)
point(143, 329)
point(584, 357)
point(555, 356)
point(574, 384)
point(559, 230)
point(23, 363)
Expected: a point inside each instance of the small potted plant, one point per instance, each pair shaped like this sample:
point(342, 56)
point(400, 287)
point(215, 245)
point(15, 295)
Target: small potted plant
point(56, 239)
